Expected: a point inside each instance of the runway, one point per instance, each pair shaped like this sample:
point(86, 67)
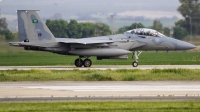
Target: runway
point(101, 67)
point(99, 91)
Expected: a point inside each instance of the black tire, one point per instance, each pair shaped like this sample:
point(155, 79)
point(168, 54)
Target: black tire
point(87, 63)
point(135, 64)
point(78, 62)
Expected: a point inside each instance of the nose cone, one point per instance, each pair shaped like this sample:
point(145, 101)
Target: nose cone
point(181, 45)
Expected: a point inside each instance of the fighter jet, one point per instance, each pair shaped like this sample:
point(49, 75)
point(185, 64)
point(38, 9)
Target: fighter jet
point(35, 35)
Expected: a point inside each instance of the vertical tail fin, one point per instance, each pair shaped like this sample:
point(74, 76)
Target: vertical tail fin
point(31, 27)
point(22, 25)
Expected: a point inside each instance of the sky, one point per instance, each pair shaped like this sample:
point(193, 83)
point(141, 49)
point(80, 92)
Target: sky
point(74, 8)
point(87, 10)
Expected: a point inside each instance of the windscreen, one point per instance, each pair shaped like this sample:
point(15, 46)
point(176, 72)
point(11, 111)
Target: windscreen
point(147, 32)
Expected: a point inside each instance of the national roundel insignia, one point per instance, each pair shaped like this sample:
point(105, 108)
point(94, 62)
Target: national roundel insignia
point(157, 41)
point(39, 34)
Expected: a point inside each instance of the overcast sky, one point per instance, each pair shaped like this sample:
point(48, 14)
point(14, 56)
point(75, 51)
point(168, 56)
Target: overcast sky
point(126, 11)
point(73, 8)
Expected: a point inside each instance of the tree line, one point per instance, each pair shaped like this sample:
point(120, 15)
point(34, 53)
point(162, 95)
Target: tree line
point(190, 10)
point(73, 29)
point(4, 31)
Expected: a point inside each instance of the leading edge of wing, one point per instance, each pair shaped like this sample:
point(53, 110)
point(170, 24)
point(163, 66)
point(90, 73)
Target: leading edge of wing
point(83, 41)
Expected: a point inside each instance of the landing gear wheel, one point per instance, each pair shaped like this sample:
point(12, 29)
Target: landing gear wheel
point(78, 62)
point(135, 64)
point(136, 54)
point(87, 63)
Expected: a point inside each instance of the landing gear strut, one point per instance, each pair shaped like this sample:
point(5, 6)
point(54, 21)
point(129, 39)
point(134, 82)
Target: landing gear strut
point(136, 54)
point(79, 62)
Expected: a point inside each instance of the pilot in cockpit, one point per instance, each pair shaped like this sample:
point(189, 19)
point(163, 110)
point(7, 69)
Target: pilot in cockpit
point(141, 32)
point(147, 32)
point(153, 34)
point(133, 31)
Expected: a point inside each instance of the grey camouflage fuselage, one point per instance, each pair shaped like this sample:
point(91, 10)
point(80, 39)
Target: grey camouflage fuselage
point(35, 35)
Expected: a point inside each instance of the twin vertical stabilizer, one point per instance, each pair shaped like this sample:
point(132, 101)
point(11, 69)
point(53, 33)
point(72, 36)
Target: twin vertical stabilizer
point(32, 29)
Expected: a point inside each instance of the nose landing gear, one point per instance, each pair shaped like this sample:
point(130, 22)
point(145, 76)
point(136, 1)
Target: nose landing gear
point(135, 64)
point(136, 54)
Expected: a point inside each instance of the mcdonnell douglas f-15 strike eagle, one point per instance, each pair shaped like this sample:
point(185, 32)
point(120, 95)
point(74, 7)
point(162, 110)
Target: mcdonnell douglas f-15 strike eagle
point(35, 35)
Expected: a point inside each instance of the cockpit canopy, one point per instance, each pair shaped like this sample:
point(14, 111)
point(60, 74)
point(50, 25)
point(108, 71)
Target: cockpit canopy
point(147, 32)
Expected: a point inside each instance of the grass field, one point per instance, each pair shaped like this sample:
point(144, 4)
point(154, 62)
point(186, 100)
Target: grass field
point(102, 107)
point(101, 75)
point(147, 58)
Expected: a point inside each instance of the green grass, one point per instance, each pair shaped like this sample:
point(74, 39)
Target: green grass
point(100, 75)
point(102, 107)
point(147, 58)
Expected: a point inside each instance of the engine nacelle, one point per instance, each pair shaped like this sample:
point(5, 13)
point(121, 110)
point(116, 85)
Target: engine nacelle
point(100, 52)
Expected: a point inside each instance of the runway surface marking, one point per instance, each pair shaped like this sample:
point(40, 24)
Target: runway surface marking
point(107, 88)
point(99, 91)
point(118, 88)
point(101, 67)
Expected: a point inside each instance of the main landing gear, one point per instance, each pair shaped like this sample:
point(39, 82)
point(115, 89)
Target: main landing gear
point(136, 54)
point(79, 62)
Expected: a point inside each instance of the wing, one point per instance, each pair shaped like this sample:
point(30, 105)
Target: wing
point(95, 40)
point(84, 41)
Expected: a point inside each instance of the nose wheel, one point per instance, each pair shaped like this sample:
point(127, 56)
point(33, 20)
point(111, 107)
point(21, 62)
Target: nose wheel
point(136, 54)
point(135, 64)
point(86, 63)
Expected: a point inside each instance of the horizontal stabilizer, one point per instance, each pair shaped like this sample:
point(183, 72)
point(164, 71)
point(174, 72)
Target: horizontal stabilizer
point(33, 44)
